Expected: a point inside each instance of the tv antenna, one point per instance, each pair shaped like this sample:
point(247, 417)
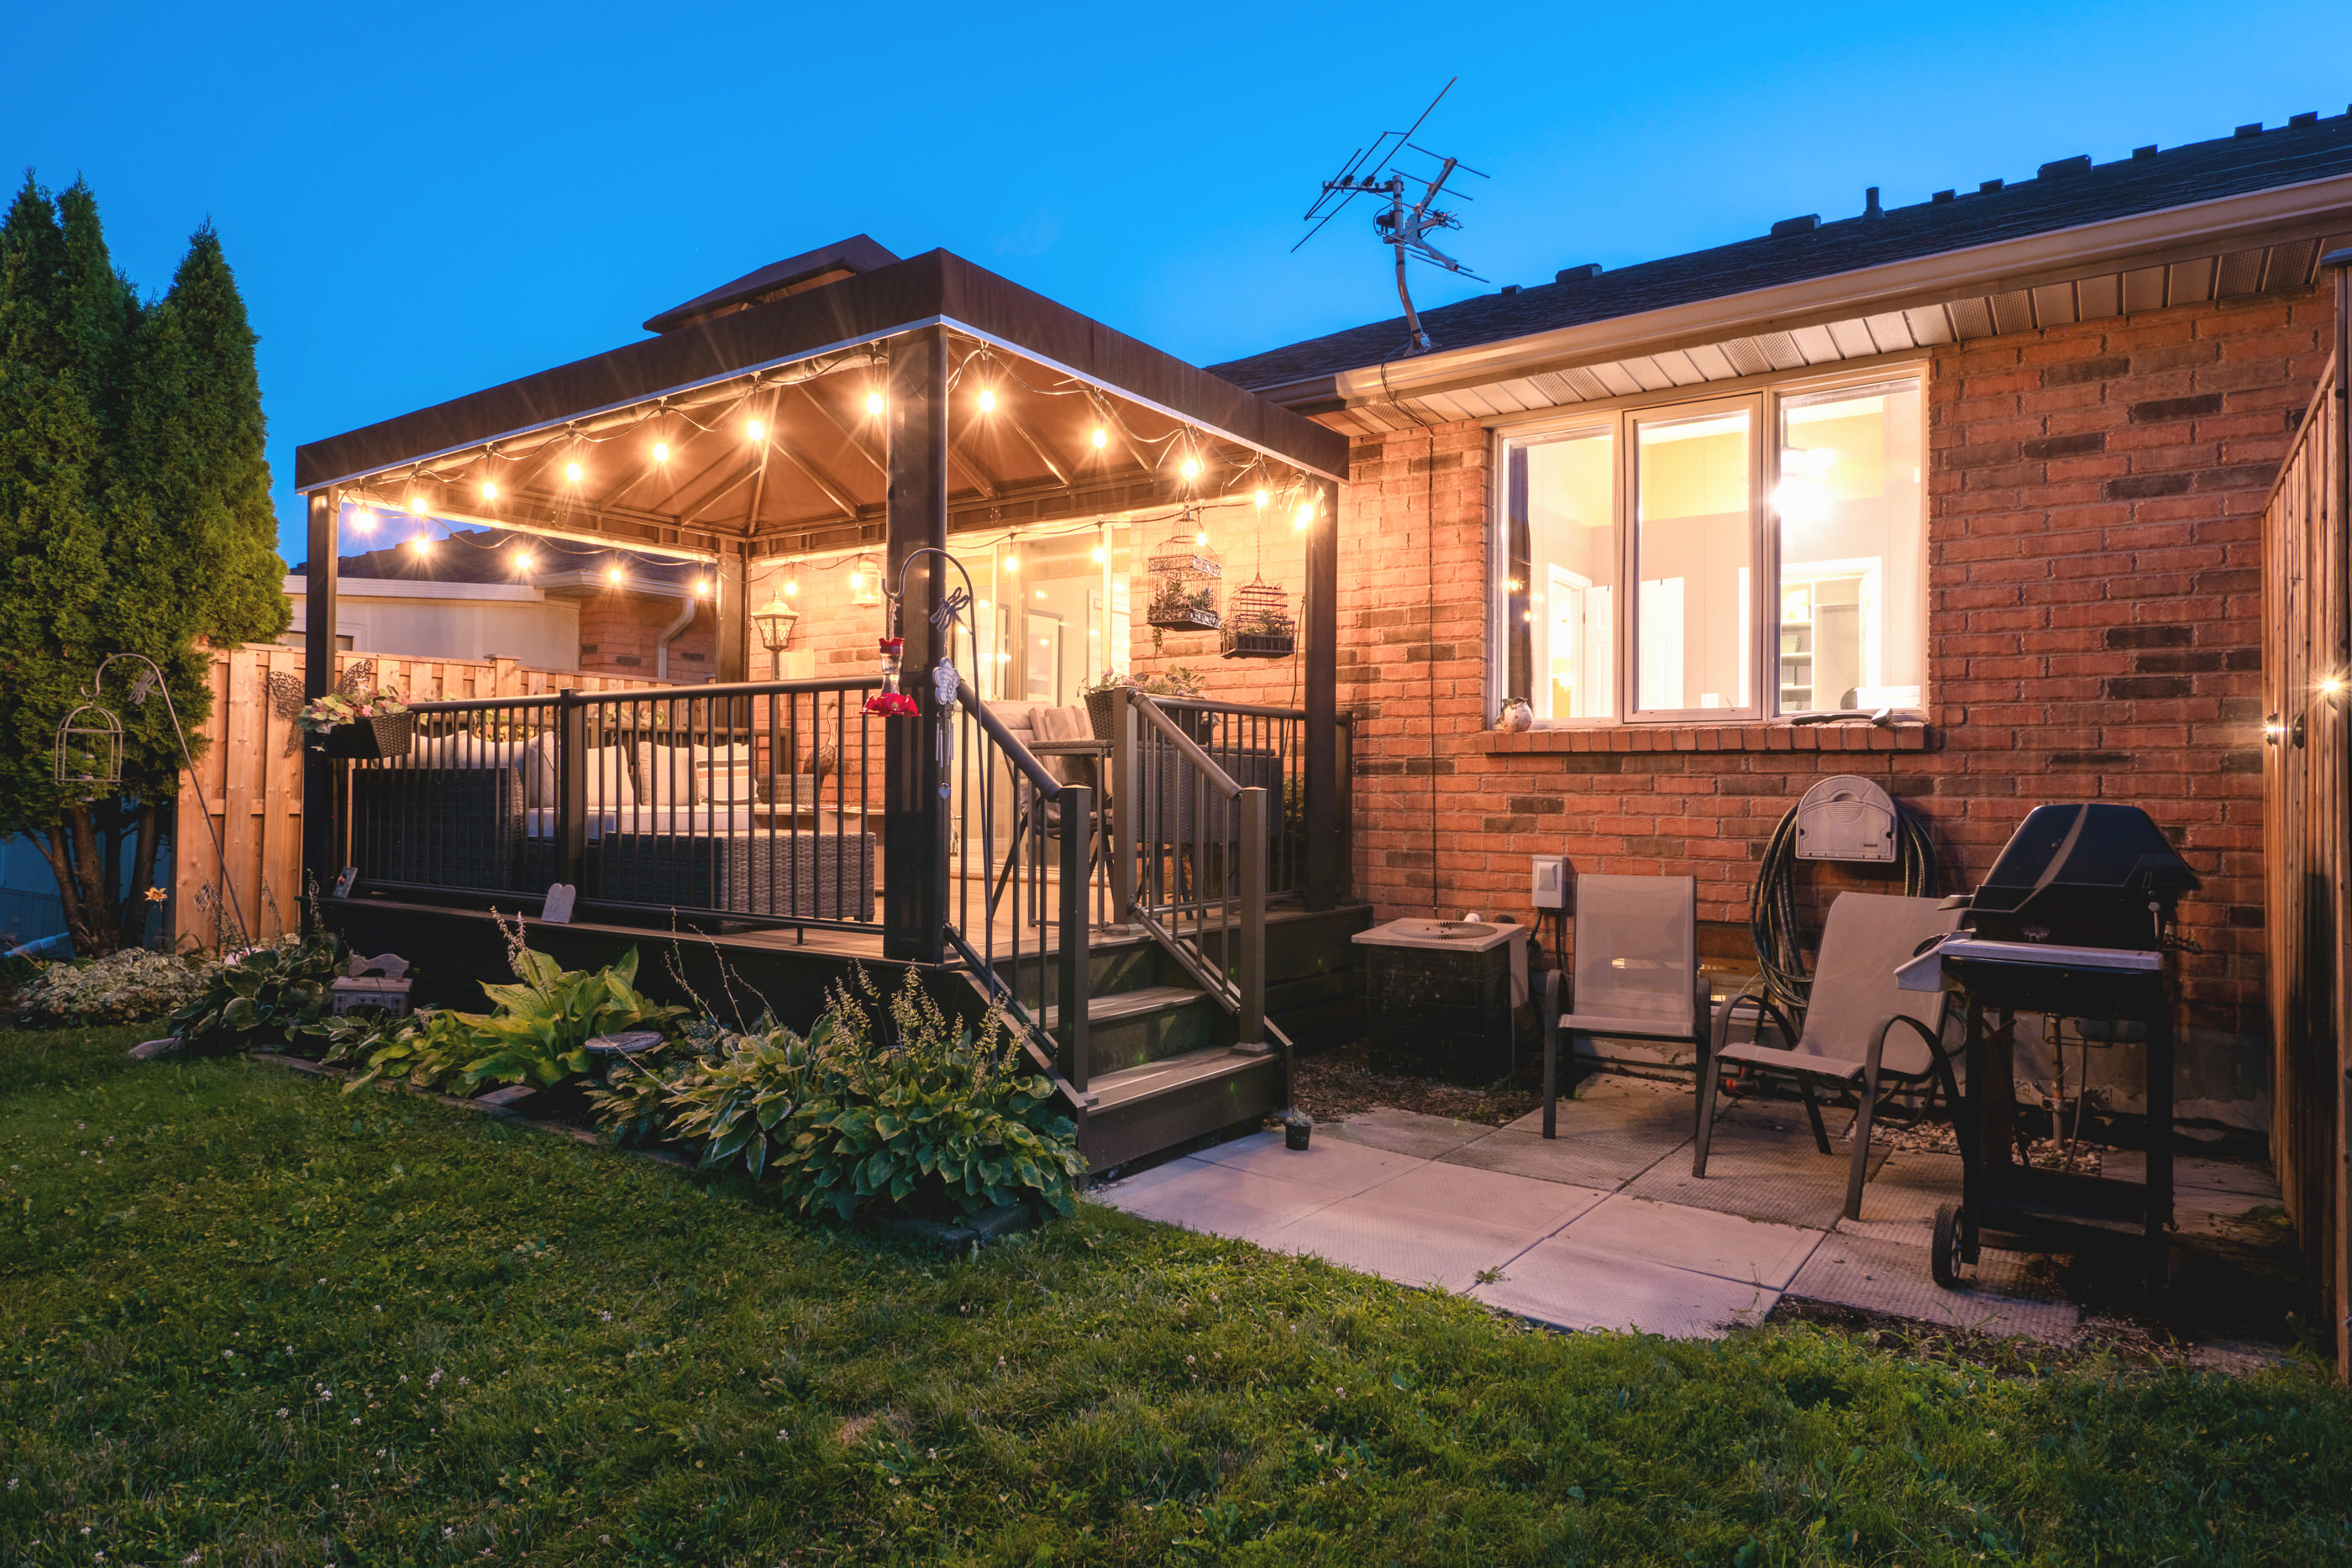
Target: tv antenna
point(1404, 224)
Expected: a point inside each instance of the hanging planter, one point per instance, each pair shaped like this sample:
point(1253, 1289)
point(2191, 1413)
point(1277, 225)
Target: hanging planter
point(1185, 578)
point(1258, 623)
point(355, 730)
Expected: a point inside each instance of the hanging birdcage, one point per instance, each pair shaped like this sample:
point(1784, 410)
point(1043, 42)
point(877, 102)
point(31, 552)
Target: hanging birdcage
point(1258, 623)
point(90, 750)
point(1184, 576)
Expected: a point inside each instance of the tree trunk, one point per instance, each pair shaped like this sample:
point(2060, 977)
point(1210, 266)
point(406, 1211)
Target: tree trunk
point(136, 905)
point(71, 849)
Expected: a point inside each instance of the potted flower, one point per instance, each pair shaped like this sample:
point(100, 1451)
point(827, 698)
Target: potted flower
point(359, 729)
point(1101, 696)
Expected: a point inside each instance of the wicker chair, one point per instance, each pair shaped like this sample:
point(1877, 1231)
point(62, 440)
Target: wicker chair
point(438, 827)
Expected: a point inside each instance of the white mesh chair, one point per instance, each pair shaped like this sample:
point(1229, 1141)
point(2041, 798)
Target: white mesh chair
point(1862, 1031)
point(1636, 971)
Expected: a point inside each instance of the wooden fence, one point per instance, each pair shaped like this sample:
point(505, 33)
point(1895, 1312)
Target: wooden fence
point(2307, 826)
point(252, 780)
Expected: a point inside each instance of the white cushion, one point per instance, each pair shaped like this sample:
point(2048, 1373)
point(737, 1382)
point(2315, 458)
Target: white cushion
point(608, 779)
point(534, 758)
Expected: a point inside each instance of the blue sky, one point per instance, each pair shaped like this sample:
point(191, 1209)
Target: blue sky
point(424, 200)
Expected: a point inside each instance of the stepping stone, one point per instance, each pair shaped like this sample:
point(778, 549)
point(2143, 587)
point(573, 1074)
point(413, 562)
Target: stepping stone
point(1213, 1200)
point(2000, 1296)
point(1560, 1282)
point(1435, 1225)
point(1745, 1251)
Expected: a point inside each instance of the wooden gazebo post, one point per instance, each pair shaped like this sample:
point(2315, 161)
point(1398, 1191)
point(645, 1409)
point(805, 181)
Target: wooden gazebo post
point(321, 819)
point(1321, 613)
point(915, 830)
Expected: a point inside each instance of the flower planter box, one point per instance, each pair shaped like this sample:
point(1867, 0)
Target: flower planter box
point(370, 739)
point(1102, 710)
point(1259, 644)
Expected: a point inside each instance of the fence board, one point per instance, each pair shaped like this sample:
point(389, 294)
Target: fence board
point(2307, 829)
point(253, 787)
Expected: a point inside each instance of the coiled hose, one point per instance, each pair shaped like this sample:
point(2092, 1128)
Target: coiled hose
point(1773, 914)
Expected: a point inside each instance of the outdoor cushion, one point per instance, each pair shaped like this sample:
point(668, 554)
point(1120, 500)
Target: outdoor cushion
point(533, 758)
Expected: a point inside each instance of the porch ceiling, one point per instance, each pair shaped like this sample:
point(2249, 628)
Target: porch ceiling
point(659, 431)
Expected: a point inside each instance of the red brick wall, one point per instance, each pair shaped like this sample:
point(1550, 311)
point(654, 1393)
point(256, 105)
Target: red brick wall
point(2094, 498)
point(620, 635)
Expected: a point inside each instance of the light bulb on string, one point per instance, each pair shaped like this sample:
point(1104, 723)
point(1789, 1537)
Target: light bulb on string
point(490, 490)
point(987, 400)
point(572, 472)
point(1102, 438)
point(793, 587)
point(755, 430)
point(1262, 500)
point(614, 575)
point(421, 545)
point(1013, 563)
point(416, 506)
point(873, 402)
point(364, 521)
point(856, 581)
point(1306, 516)
point(1192, 467)
point(702, 588)
point(1101, 555)
point(661, 451)
point(522, 560)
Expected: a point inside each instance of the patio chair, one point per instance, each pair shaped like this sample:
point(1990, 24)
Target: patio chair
point(1855, 1006)
point(1636, 972)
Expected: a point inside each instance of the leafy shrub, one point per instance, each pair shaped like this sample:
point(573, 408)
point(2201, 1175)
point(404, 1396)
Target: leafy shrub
point(939, 1117)
point(118, 988)
point(538, 1032)
point(272, 995)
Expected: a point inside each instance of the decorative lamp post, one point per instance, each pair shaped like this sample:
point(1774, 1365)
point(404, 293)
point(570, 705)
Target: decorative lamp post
point(776, 620)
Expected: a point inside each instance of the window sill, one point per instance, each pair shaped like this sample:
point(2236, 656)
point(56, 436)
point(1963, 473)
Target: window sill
point(1900, 736)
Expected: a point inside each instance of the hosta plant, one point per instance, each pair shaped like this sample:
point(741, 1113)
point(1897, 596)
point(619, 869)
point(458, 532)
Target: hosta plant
point(918, 1112)
point(537, 1033)
point(118, 988)
point(271, 996)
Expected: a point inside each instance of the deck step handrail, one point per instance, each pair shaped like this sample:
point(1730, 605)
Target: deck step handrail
point(1042, 808)
point(1191, 839)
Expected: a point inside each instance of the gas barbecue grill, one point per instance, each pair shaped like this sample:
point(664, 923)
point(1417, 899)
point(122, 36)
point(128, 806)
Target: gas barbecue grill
point(2074, 921)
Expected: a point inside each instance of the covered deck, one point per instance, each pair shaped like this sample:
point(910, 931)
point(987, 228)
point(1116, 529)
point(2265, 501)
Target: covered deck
point(811, 438)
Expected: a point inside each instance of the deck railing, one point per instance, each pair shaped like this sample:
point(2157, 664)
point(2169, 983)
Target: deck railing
point(753, 801)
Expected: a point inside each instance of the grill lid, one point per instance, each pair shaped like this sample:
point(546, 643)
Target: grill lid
point(2085, 848)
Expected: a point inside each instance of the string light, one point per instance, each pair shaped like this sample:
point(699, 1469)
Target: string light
point(873, 406)
point(1262, 500)
point(364, 521)
point(421, 545)
point(614, 575)
point(755, 430)
point(1306, 516)
point(793, 586)
point(1102, 438)
point(416, 506)
point(1101, 555)
point(856, 581)
point(2330, 686)
point(490, 490)
point(1192, 467)
point(701, 588)
point(1202, 537)
point(572, 472)
point(522, 560)
point(661, 451)
point(987, 400)
point(1013, 563)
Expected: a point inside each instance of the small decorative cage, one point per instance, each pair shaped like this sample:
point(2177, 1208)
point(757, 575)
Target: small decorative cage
point(1258, 623)
point(90, 750)
point(1185, 575)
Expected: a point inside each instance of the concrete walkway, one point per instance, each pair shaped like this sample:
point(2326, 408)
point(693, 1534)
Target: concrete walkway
point(1604, 1227)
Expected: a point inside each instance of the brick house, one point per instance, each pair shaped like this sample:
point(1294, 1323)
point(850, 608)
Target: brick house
point(1992, 464)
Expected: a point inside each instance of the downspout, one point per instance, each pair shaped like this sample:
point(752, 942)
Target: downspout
point(661, 644)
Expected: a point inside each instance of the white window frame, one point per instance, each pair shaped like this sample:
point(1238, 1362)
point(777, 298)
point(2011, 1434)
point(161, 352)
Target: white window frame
point(1761, 398)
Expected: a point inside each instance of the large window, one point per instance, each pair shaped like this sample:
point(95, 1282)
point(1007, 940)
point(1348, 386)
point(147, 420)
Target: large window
point(1723, 560)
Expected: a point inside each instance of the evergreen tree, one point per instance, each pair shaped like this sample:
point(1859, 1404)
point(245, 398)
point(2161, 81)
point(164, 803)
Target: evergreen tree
point(134, 517)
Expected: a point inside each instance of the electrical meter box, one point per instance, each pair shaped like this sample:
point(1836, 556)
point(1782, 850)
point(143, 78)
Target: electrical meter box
point(1550, 882)
point(1845, 819)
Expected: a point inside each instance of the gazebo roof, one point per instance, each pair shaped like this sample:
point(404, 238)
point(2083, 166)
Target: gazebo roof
point(649, 443)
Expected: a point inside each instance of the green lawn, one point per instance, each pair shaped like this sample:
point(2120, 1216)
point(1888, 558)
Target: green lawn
point(243, 1319)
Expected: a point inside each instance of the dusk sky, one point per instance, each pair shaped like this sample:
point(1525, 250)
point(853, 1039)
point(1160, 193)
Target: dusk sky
point(422, 201)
